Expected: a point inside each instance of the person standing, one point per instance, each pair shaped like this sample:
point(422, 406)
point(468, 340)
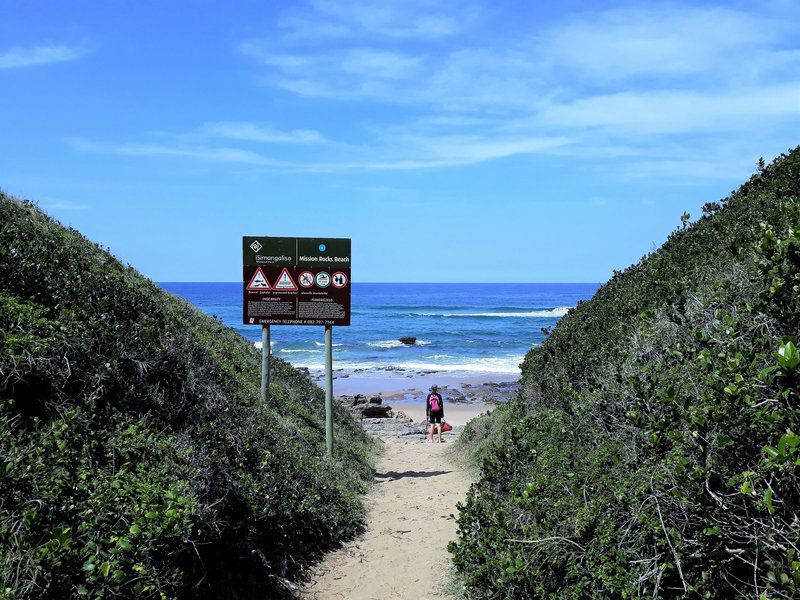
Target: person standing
point(434, 409)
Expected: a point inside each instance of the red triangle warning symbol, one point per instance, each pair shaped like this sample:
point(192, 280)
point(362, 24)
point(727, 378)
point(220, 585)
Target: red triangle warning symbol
point(285, 281)
point(258, 281)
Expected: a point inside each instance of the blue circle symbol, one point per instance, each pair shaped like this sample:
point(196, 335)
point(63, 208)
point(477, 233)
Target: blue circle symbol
point(322, 247)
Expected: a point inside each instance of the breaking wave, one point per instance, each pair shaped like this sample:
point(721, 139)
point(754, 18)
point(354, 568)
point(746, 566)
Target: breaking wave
point(531, 314)
point(396, 344)
point(509, 364)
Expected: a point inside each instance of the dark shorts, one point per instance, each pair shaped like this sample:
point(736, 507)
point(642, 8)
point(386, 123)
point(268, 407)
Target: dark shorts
point(435, 417)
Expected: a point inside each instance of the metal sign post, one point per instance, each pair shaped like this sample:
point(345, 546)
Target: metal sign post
point(297, 281)
point(266, 352)
point(329, 389)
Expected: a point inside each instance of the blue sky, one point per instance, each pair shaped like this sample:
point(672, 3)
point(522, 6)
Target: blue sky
point(463, 141)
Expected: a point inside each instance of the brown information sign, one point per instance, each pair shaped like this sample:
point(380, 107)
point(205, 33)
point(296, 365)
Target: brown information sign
point(296, 281)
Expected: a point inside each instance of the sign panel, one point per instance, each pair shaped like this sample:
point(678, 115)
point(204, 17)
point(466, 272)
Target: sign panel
point(296, 281)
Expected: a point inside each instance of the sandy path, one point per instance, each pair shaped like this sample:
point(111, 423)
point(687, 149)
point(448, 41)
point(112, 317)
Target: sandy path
point(410, 518)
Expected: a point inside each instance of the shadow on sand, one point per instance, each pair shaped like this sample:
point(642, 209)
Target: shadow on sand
point(394, 475)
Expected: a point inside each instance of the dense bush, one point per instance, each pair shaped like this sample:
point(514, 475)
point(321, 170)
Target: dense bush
point(653, 449)
point(135, 456)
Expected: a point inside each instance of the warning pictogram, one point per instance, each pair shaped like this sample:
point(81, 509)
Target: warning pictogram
point(339, 279)
point(306, 279)
point(285, 281)
point(258, 281)
point(323, 279)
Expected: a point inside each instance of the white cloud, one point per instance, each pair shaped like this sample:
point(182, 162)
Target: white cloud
point(688, 172)
point(391, 153)
point(63, 205)
point(661, 48)
point(662, 41)
point(349, 18)
point(17, 58)
point(213, 154)
point(352, 73)
point(649, 91)
point(263, 53)
point(677, 111)
point(470, 149)
point(376, 63)
point(243, 130)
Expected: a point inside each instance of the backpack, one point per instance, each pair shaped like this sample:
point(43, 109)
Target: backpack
point(436, 402)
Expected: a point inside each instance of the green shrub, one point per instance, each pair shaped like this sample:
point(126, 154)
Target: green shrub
point(655, 448)
point(135, 457)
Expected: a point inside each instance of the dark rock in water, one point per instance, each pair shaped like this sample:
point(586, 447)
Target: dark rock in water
point(358, 399)
point(376, 411)
point(408, 341)
point(456, 396)
point(376, 400)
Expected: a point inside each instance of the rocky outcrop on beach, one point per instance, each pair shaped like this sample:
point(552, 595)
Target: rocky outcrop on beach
point(375, 411)
point(402, 416)
point(363, 408)
point(380, 420)
point(384, 428)
point(404, 429)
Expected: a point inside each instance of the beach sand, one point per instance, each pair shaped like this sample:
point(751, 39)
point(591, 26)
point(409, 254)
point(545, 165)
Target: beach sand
point(411, 516)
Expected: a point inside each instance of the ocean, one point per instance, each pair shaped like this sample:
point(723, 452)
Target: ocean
point(460, 328)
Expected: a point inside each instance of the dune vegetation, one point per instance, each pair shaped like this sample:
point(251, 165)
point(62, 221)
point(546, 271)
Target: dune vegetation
point(654, 447)
point(136, 459)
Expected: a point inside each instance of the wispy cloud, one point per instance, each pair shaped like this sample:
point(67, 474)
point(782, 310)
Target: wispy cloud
point(17, 58)
point(213, 154)
point(361, 72)
point(659, 42)
point(63, 205)
point(642, 49)
point(644, 113)
point(393, 153)
point(246, 131)
point(651, 90)
point(354, 18)
point(689, 172)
